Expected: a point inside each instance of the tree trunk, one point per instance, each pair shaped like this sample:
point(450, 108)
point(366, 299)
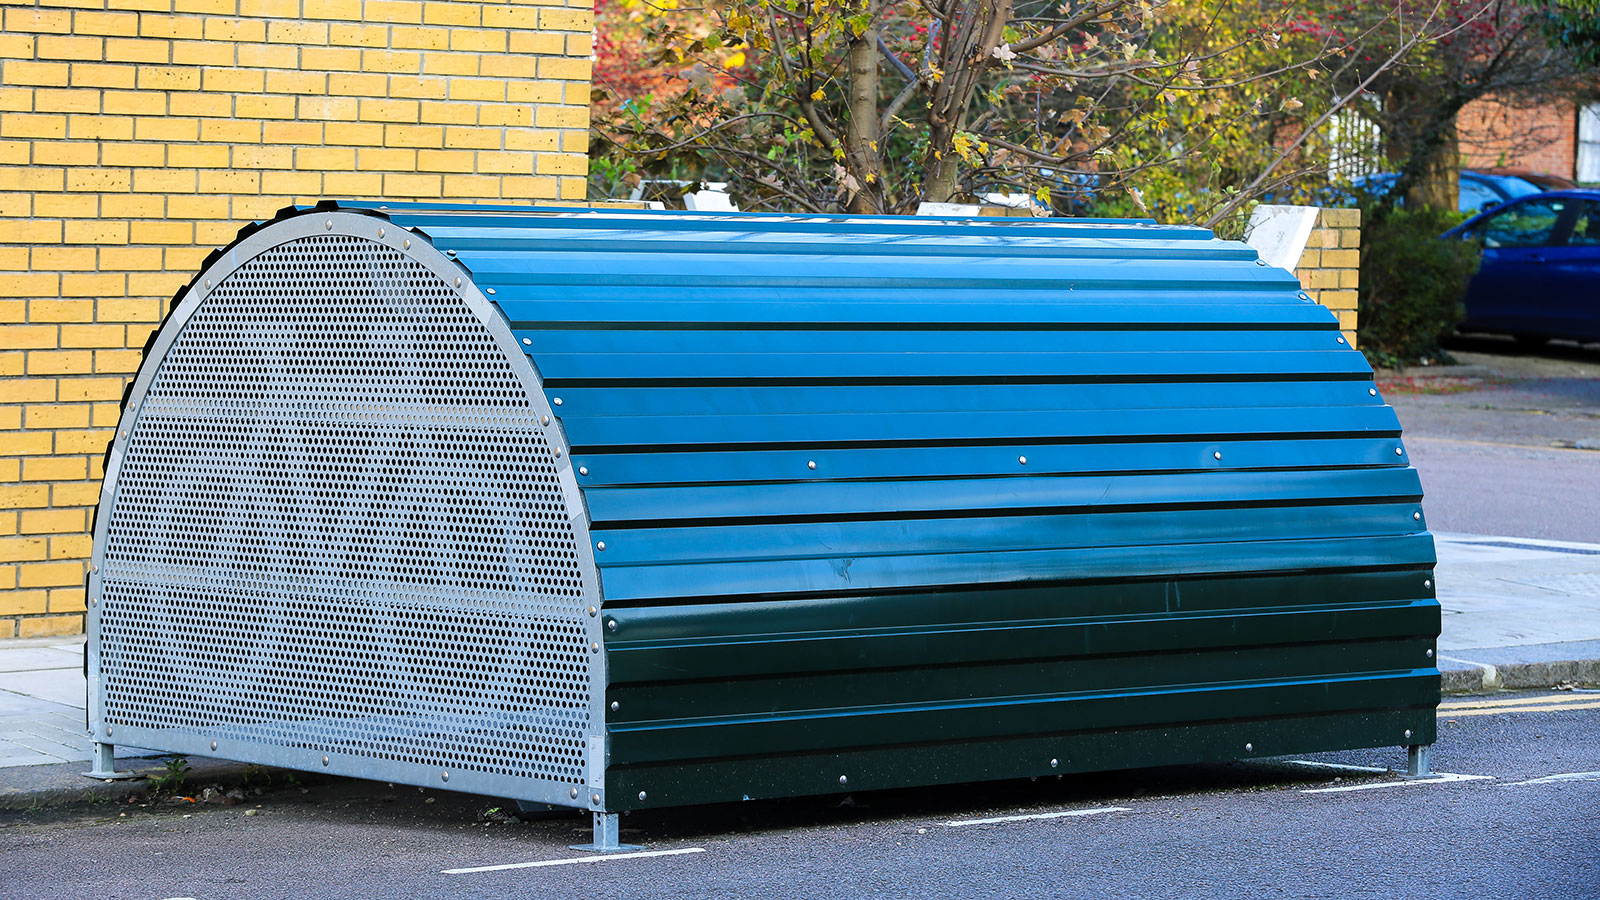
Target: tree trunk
point(1422, 128)
point(861, 131)
point(966, 53)
point(1438, 182)
point(939, 185)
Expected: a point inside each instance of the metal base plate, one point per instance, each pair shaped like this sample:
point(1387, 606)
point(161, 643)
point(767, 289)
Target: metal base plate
point(111, 776)
point(596, 848)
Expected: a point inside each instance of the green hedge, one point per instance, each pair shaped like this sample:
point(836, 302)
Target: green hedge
point(1412, 282)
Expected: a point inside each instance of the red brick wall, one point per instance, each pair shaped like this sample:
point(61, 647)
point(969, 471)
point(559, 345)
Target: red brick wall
point(1541, 138)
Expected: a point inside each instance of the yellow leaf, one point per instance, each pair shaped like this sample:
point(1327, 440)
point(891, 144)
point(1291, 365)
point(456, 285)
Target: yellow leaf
point(817, 94)
point(735, 61)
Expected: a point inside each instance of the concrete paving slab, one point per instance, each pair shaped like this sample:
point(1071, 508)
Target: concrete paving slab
point(1512, 592)
point(35, 658)
point(62, 686)
point(14, 704)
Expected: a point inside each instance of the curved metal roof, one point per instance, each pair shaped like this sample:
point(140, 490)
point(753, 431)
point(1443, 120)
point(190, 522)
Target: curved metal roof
point(768, 404)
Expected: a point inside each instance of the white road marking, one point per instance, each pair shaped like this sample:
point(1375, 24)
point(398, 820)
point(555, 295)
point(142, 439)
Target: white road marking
point(1033, 816)
point(1340, 766)
point(602, 857)
point(1552, 779)
point(1441, 778)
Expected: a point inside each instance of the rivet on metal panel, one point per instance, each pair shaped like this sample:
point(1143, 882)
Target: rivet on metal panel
point(1304, 296)
point(527, 342)
point(595, 646)
point(324, 760)
point(490, 290)
point(611, 624)
point(1428, 653)
point(556, 401)
point(1427, 583)
point(1261, 262)
point(381, 232)
point(1249, 748)
point(544, 420)
point(1408, 734)
point(1022, 460)
point(1372, 392)
point(1216, 454)
point(122, 433)
point(1340, 340)
point(444, 776)
point(583, 470)
point(601, 545)
point(557, 452)
point(449, 253)
point(458, 284)
point(593, 610)
point(594, 798)
point(91, 601)
point(328, 225)
point(208, 282)
point(213, 745)
point(641, 795)
point(1399, 452)
point(811, 464)
point(1054, 763)
point(407, 244)
point(1417, 516)
point(108, 731)
point(615, 706)
point(844, 779)
point(574, 793)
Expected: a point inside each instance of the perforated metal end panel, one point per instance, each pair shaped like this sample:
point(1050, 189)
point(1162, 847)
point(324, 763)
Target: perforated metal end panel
point(339, 528)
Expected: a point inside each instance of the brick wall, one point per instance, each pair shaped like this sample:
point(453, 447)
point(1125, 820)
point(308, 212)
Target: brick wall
point(137, 135)
point(1330, 266)
point(1542, 138)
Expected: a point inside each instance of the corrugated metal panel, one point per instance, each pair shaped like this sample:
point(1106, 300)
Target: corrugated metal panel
point(1007, 492)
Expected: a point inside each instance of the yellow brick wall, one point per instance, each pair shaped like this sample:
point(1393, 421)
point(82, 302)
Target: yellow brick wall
point(137, 135)
point(1330, 267)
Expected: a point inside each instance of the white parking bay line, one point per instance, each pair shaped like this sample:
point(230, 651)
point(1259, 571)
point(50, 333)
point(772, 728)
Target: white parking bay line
point(1343, 767)
point(1441, 778)
point(602, 857)
point(1552, 779)
point(1033, 816)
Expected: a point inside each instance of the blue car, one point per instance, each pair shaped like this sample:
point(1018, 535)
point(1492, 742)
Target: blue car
point(1540, 277)
point(1479, 191)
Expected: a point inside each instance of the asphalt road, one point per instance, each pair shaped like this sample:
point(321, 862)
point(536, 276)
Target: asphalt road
point(1237, 830)
point(1496, 439)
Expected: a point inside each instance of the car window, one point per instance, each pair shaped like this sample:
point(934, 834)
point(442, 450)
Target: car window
point(1586, 230)
point(1518, 187)
point(1526, 224)
point(1475, 195)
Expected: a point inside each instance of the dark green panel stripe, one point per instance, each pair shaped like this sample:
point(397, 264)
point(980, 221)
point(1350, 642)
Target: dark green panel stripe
point(648, 665)
point(748, 736)
point(867, 684)
point(631, 584)
point(732, 779)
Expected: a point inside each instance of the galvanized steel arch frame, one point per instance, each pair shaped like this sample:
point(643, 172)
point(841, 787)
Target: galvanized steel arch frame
point(292, 225)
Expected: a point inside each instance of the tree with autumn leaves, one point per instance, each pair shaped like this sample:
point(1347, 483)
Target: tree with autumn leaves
point(1186, 108)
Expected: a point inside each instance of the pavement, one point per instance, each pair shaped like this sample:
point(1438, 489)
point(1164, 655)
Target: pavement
point(1518, 613)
